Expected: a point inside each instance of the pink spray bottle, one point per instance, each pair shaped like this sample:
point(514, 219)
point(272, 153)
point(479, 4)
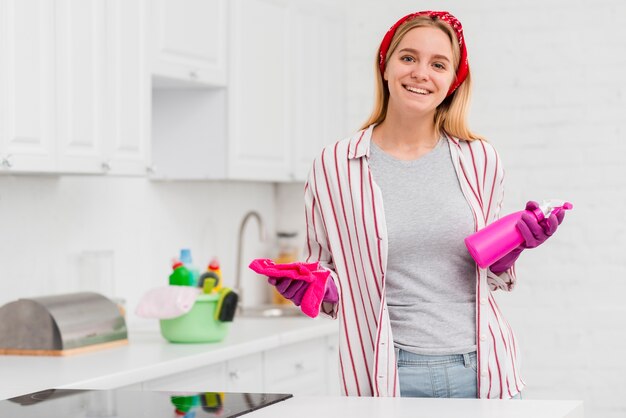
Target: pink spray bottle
point(502, 236)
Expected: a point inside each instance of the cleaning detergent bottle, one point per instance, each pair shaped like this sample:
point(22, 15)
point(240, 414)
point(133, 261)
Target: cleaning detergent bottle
point(502, 236)
point(214, 274)
point(287, 251)
point(185, 258)
point(180, 275)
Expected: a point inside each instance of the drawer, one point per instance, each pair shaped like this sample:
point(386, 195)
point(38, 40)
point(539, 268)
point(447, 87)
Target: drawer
point(310, 384)
point(201, 379)
point(333, 377)
point(295, 360)
point(245, 374)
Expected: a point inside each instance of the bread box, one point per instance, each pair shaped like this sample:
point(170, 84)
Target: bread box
point(61, 325)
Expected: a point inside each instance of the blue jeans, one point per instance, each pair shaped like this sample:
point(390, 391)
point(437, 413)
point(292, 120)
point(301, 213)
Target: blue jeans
point(447, 376)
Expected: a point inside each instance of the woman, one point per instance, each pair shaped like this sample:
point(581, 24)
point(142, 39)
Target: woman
point(387, 211)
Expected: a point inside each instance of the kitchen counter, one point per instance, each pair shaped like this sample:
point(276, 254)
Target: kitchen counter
point(126, 404)
point(149, 356)
point(314, 407)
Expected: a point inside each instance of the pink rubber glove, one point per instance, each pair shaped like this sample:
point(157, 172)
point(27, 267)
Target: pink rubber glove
point(534, 232)
point(294, 290)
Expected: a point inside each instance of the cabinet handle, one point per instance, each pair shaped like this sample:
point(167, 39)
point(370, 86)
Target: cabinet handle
point(193, 75)
point(6, 162)
point(234, 375)
point(299, 366)
point(106, 166)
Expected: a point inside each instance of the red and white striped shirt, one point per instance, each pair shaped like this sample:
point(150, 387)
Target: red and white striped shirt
point(347, 234)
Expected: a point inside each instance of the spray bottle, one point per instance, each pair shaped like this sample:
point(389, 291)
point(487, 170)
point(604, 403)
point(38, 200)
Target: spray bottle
point(502, 236)
point(185, 258)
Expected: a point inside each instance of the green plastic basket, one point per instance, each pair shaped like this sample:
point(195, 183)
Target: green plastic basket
point(196, 326)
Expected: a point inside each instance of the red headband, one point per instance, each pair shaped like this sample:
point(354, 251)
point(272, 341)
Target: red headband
point(461, 72)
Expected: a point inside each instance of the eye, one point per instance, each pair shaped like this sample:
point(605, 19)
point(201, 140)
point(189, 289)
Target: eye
point(407, 58)
point(439, 66)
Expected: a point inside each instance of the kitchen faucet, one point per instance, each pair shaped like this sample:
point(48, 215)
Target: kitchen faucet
point(242, 227)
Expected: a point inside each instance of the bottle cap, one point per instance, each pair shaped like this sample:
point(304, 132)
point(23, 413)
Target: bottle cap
point(185, 256)
point(176, 264)
point(214, 264)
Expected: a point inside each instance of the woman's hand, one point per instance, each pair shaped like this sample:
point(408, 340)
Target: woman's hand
point(294, 290)
point(534, 233)
point(537, 232)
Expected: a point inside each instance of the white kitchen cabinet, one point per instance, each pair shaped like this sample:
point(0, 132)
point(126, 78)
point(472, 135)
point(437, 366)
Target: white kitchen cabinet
point(283, 102)
point(297, 368)
point(74, 86)
point(103, 87)
point(80, 80)
point(245, 374)
point(332, 366)
point(242, 374)
point(27, 88)
point(318, 85)
point(304, 368)
point(188, 42)
point(286, 87)
point(201, 379)
point(127, 98)
point(259, 95)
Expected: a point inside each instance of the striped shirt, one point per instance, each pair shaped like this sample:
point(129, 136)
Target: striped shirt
point(347, 234)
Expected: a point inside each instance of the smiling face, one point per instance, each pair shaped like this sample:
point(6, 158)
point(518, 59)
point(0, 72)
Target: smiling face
point(419, 72)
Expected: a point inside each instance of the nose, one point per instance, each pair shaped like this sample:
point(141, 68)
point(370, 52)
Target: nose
point(419, 72)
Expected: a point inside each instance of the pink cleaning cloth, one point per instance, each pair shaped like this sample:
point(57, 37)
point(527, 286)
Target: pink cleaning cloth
point(166, 302)
point(309, 272)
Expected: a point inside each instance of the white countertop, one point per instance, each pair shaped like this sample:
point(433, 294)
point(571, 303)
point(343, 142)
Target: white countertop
point(148, 356)
point(315, 407)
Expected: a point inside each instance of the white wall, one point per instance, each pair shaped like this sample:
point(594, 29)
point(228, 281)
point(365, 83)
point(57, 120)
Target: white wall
point(549, 94)
point(118, 235)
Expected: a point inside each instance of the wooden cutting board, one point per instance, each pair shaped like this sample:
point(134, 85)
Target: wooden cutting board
point(58, 353)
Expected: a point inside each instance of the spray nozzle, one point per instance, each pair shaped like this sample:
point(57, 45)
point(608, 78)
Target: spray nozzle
point(550, 207)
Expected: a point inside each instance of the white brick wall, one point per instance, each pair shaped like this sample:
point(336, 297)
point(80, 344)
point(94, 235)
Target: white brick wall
point(550, 95)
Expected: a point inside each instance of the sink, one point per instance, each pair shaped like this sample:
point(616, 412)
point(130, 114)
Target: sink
point(270, 311)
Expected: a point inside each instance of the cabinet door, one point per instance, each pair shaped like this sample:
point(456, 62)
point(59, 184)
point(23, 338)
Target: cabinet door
point(27, 86)
point(318, 83)
point(259, 108)
point(127, 88)
point(189, 41)
point(81, 60)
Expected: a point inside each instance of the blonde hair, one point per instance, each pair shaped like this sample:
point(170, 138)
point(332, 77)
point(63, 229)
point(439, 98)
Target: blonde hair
point(451, 114)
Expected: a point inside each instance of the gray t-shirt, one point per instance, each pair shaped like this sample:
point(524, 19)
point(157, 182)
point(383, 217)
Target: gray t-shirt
point(430, 279)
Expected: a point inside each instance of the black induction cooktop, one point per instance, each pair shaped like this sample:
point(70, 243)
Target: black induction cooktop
point(120, 403)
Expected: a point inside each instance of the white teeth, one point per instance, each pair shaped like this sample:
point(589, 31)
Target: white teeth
point(416, 90)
